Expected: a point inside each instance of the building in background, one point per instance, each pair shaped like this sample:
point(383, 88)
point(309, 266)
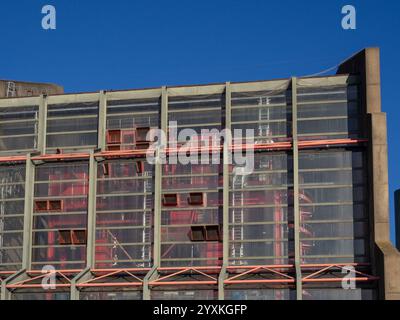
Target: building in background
point(12, 89)
point(77, 193)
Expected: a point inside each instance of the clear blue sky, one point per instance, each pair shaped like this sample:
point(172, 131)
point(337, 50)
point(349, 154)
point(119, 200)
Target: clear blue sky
point(123, 44)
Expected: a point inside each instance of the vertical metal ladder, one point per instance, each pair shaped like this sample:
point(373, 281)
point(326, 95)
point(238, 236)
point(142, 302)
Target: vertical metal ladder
point(264, 129)
point(238, 182)
point(11, 89)
point(146, 219)
point(3, 192)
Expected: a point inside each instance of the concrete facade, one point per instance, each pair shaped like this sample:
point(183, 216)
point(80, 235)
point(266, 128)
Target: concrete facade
point(28, 89)
point(397, 217)
point(386, 258)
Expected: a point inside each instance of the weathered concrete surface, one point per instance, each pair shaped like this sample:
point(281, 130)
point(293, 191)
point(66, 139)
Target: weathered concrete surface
point(397, 209)
point(30, 89)
point(385, 257)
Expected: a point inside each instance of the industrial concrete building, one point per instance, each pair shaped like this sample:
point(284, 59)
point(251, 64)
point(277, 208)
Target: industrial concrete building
point(310, 222)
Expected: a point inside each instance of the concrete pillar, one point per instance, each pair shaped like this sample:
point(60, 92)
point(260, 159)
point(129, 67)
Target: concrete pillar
point(91, 222)
point(102, 121)
point(296, 202)
point(397, 217)
point(28, 212)
point(385, 258)
point(42, 125)
point(225, 205)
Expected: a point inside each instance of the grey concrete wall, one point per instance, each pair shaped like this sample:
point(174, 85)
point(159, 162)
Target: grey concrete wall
point(385, 257)
point(397, 216)
point(29, 89)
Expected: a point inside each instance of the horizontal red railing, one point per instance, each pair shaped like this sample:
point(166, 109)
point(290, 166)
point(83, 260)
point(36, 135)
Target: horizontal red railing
point(142, 152)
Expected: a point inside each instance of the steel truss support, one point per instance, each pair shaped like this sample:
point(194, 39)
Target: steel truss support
point(110, 278)
point(322, 273)
point(178, 276)
point(33, 280)
point(145, 278)
point(133, 277)
point(274, 274)
point(282, 274)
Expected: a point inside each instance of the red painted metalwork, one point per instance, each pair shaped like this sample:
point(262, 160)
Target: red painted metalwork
point(62, 156)
point(206, 275)
point(64, 271)
point(324, 268)
point(13, 159)
point(237, 275)
point(7, 273)
point(274, 270)
point(190, 272)
point(283, 270)
point(64, 275)
point(143, 152)
point(100, 274)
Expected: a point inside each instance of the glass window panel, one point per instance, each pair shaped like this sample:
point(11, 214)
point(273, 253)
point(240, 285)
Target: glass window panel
point(18, 129)
point(12, 193)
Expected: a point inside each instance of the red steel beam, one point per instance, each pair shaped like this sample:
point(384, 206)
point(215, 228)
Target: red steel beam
point(189, 282)
point(360, 279)
point(65, 271)
point(110, 284)
point(36, 285)
point(273, 266)
point(248, 281)
point(217, 268)
point(7, 272)
point(142, 152)
point(124, 269)
point(62, 156)
point(321, 265)
point(13, 159)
